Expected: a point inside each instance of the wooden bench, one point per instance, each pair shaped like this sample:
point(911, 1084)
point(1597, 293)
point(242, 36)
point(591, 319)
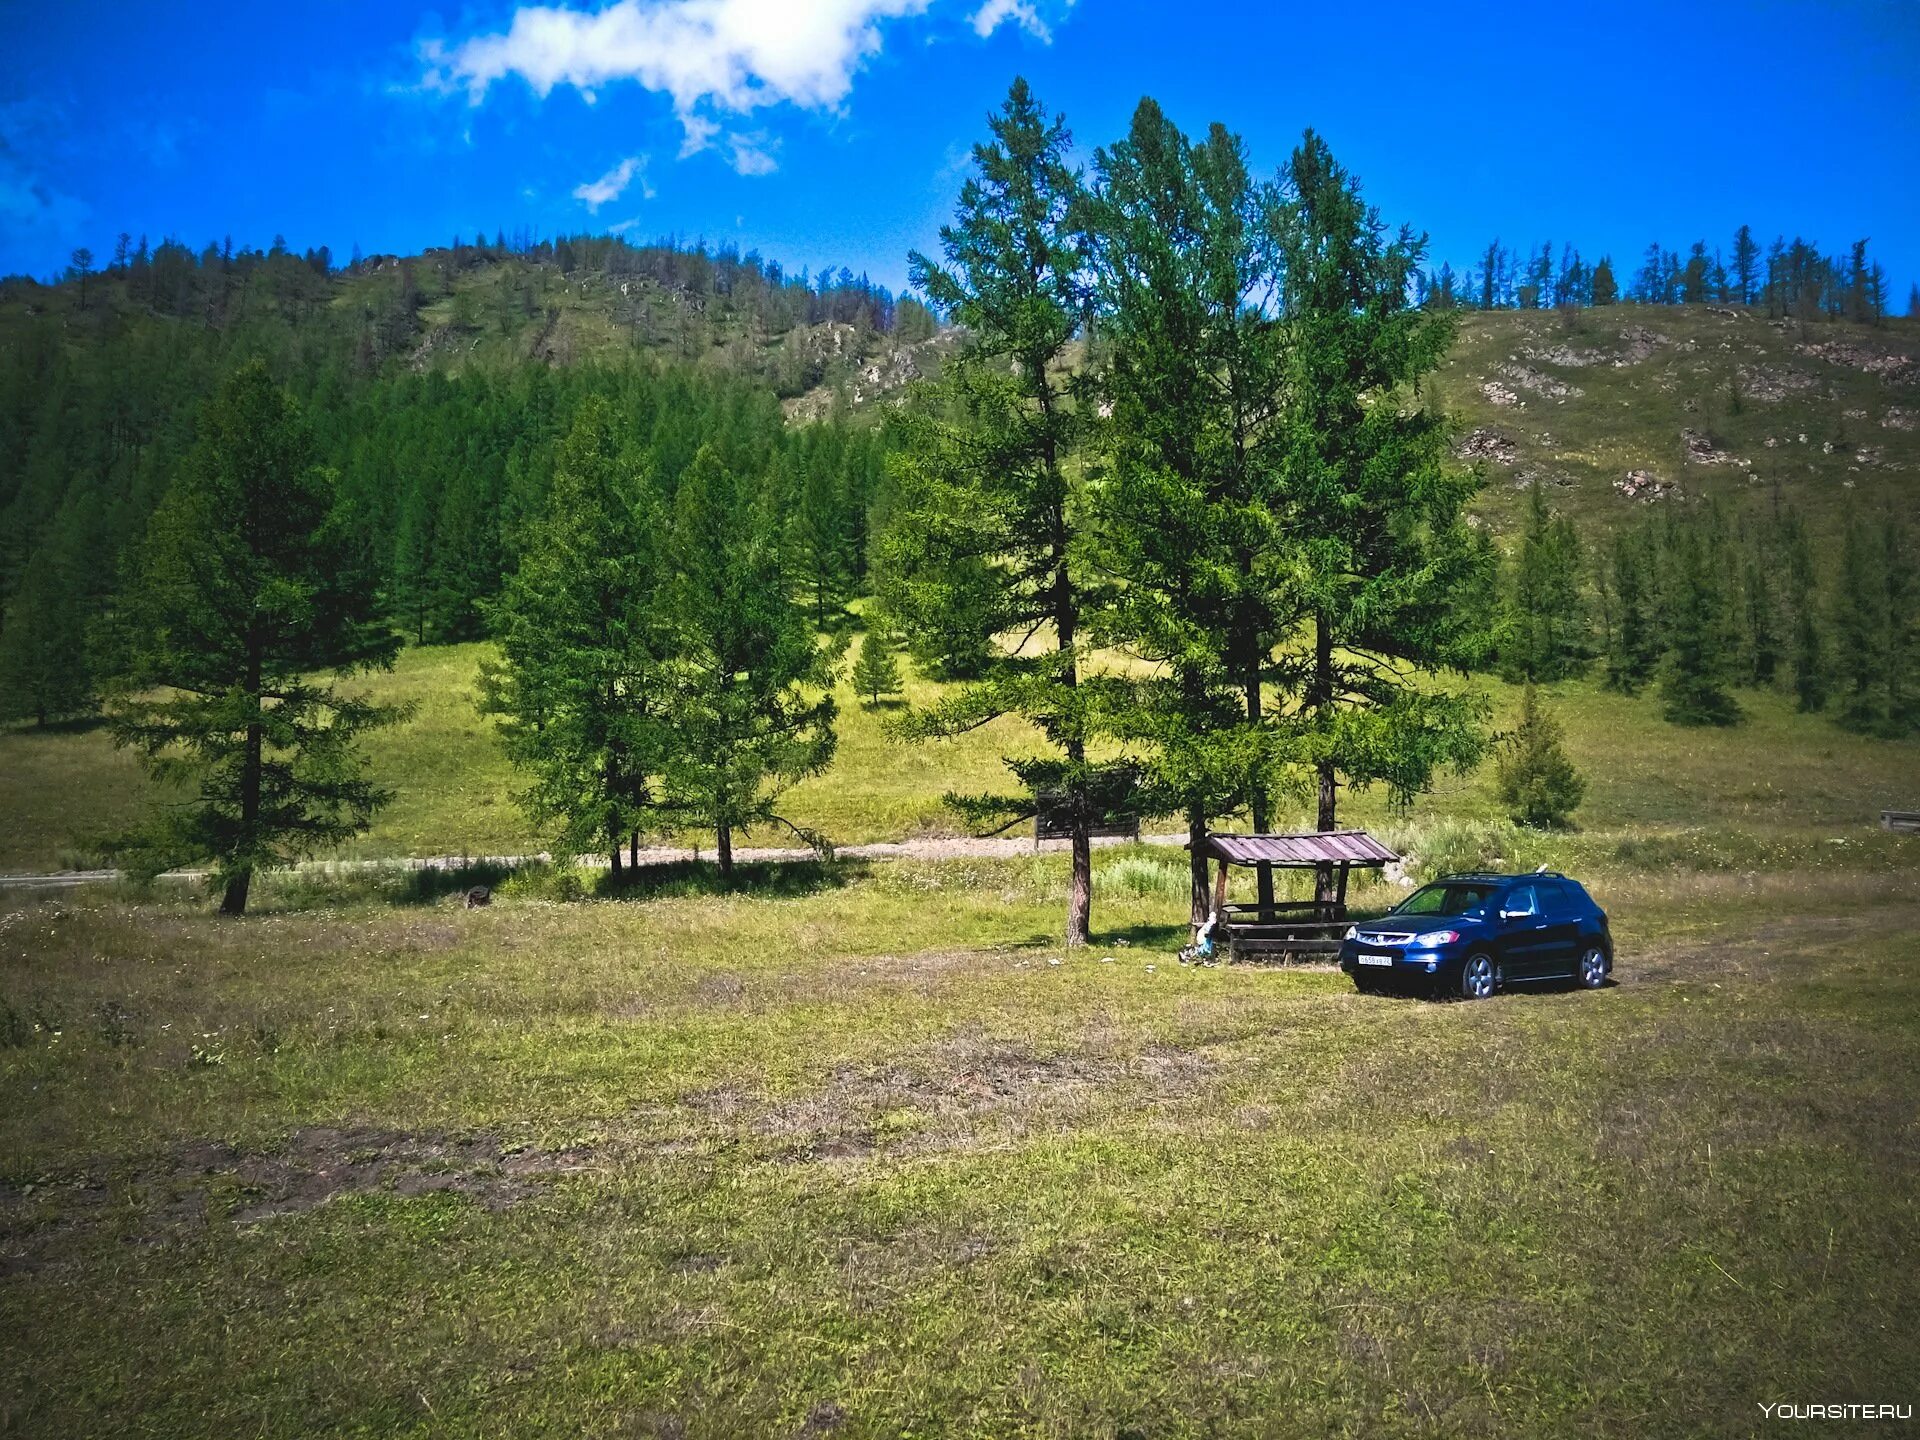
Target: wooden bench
point(1907, 820)
point(1052, 822)
point(1283, 939)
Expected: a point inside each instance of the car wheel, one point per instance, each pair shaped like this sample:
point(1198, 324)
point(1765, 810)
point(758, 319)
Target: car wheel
point(1476, 978)
point(1593, 968)
point(1367, 984)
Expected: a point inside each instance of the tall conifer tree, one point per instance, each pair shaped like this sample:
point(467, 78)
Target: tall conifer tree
point(985, 489)
point(1189, 266)
point(1373, 501)
point(244, 587)
point(749, 694)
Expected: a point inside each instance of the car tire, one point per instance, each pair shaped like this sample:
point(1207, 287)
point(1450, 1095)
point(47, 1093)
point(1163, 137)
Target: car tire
point(1478, 977)
point(1594, 966)
point(1368, 984)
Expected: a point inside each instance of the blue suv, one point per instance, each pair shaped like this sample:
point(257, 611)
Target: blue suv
point(1468, 935)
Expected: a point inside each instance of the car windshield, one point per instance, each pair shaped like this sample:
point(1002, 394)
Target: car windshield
point(1451, 897)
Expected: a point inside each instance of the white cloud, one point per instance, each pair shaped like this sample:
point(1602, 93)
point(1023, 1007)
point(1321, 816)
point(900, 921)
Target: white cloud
point(753, 154)
point(709, 56)
point(995, 13)
point(613, 184)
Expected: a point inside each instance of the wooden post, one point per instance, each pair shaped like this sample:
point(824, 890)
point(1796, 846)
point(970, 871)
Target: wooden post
point(1340, 903)
point(1220, 893)
point(1265, 873)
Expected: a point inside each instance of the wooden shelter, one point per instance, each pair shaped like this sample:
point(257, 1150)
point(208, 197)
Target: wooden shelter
point(1289, 927)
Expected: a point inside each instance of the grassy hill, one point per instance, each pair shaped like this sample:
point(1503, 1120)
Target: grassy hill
point(1708, 401)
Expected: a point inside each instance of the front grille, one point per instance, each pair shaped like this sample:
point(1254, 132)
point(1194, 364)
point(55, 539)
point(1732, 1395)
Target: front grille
point(1383, 937)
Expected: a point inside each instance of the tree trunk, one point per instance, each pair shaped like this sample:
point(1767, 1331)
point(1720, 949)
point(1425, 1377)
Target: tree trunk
point(1329, 785)
point(1257, 792)
point(234, 902)
point(1080, 890)
point(1197, 865)
point(613, 860)
point(724, 839)
point(633, 851)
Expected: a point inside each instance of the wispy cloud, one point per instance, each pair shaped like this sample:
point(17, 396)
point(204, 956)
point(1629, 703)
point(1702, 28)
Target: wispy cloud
point(753, 154)
point(995, 13)
point(613, 184)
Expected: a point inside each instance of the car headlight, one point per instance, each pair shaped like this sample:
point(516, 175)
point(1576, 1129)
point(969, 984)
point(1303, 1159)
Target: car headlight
point(1352, 930)
point(1437, 937)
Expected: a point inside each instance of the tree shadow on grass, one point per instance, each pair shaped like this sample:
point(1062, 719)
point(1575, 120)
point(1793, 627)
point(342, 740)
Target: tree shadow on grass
point(70, 725)
point(770, 879)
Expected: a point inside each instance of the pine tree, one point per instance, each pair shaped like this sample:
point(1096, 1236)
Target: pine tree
point(243, 588)
point(1545, 632)
point(582, 665)
point(749, 707)
point(1693, 690)
point(876, 674)
point(1537, 781)
point(984, 491)
point(1913, 302)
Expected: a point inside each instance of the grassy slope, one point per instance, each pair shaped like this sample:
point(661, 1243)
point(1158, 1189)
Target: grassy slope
point(864, 1156)
point(1633, 415)
point(454, 792)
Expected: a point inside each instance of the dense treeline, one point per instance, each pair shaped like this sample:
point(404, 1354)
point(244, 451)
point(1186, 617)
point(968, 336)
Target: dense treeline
point(1703, 601)
point(438, 474)
point(1789, 279)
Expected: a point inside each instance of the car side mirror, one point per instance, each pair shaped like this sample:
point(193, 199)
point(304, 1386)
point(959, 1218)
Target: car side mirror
point(1514, 914)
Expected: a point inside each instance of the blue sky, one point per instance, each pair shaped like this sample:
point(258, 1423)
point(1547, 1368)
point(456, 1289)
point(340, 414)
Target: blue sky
point(835, 131)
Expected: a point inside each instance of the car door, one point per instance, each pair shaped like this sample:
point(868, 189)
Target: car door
point(1527, 931)
point(1560, 947)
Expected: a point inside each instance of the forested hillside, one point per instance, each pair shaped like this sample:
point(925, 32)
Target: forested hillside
point(437, 385)
point(436, 389)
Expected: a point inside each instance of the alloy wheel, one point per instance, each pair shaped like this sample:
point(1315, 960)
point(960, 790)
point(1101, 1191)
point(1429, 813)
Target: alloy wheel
point(1476, 981)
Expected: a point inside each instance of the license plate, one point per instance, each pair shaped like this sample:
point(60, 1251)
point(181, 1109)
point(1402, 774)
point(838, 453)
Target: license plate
point(1374, 959)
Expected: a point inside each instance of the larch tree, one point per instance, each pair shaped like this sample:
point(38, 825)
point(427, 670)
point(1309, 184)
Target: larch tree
point(1544, 630)
point(749, 704)
point(1746, 265)
point(985, 488)
point(1537, 781)
point(1807, 641)
point(579, 686)
point(1186, 244)
point(1632, 656)
point(1693, 690)
point(1606, 289)
point(1373, 502)
point(876, 671)
point(245, 587)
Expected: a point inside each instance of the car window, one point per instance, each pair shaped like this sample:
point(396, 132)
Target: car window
point(1521, 900)
point(1451, 898)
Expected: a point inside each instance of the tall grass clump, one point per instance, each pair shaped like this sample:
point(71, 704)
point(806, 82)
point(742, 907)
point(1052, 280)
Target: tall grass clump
point(1144, 874)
